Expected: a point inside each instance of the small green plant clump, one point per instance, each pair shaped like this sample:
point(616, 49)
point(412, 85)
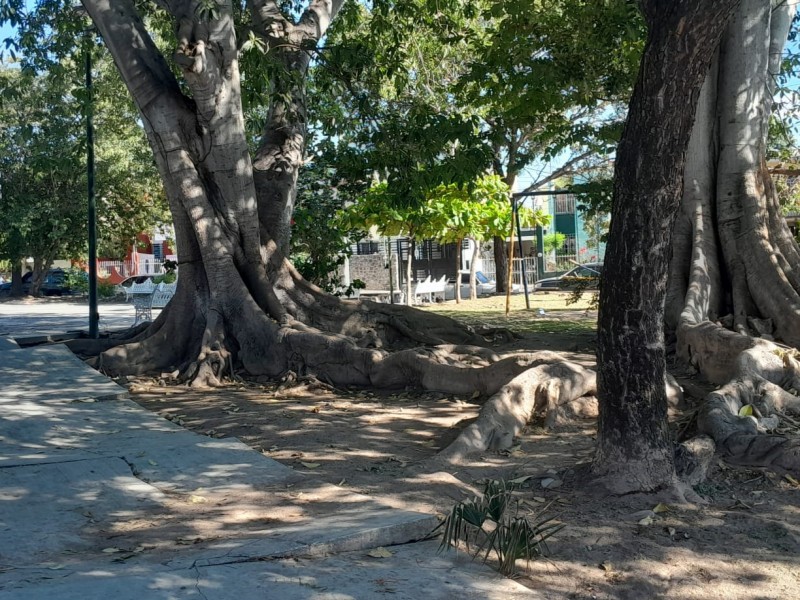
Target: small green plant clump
point(76, 280)
point(491, 524)
point(106, 289)
point(356, 284)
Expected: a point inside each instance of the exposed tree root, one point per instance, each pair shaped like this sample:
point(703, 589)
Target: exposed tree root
point(557, 389)
point(517, 386)
point(758, 375)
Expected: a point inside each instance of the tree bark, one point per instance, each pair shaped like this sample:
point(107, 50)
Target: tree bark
point(412, 248)
point(473, 269)
point(634, 451)
point(16, 278)
point(459, 243)
point(733, 278)
point(500, 263)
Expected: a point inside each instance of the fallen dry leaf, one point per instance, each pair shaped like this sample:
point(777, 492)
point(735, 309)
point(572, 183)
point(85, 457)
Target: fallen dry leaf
point(379, 552)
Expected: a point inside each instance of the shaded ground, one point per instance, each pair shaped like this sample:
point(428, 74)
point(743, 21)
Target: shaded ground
point(743, 545)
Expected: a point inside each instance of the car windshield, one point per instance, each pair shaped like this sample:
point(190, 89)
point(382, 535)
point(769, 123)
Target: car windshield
point(585, 271)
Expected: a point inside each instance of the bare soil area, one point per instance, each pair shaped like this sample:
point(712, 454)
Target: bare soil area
point(743, 544)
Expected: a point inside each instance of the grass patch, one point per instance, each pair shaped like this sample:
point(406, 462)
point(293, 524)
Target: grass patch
point(558, 318)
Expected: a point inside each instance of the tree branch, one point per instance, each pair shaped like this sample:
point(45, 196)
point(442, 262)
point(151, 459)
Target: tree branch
point(565, 169)
point(268, 20)
point(318, 17)
point(143, 68)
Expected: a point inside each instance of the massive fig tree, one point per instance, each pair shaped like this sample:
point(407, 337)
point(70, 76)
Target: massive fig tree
point(239, 301)
point(240, 305)
point(734, 278)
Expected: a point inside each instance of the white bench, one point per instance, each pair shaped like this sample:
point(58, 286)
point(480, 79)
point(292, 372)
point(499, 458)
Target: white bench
point(158, 297)
point(382, 295)
point(428, 288)
point(148, 287)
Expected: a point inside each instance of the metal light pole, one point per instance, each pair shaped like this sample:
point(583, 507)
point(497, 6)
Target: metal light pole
point(524, 274)
point(94, 316)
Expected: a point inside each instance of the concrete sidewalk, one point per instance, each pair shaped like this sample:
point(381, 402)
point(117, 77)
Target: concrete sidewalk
point(41, 317)
point(100, 498)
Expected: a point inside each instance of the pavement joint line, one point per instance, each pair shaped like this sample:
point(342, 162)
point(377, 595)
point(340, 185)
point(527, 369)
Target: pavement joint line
point(58, 462)
point(218, 561)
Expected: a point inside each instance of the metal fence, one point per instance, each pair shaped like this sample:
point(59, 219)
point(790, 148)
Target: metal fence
point(532, 273)
point(126, 268)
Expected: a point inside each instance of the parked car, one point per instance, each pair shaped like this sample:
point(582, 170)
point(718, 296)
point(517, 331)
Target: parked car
point(56, 283)
point(60, 282)
point(483, 285)
point(587, 275)
point(5, 288)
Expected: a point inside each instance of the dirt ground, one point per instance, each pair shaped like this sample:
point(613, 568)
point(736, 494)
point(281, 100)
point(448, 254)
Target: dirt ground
point(743, 544)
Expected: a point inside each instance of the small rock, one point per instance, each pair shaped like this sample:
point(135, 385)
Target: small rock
point(640, 515)
point(550, 483)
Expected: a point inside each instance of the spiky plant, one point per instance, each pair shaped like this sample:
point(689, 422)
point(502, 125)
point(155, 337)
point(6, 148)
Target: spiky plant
point(492, 524)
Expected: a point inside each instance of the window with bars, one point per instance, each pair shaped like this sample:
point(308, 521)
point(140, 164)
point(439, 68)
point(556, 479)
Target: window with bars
point(368, 247)
point(564, 204)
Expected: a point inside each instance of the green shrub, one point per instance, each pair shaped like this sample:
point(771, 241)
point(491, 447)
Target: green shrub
point(106, 289)
point(168, 277)
point(76, 280)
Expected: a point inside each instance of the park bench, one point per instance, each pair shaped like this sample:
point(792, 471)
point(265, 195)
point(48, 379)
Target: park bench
point(145, 301)
point(148, 287)
point(383, 295)
point(427, 288)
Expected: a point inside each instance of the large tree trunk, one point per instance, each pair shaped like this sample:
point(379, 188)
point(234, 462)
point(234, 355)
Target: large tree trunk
point(16, 278)
point(634, 451)
point(239, 304)
point(733, 275)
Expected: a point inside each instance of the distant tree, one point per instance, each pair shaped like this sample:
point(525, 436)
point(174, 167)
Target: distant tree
point(477, 212)
point(43, 166)
point(321, 241)
point(433, 100)
point(378, 210)
point(43, 189)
